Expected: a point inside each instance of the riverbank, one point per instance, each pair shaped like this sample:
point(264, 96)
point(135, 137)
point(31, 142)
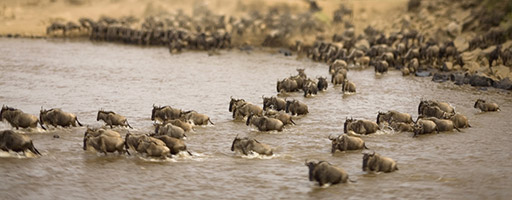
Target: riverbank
point(478, 30)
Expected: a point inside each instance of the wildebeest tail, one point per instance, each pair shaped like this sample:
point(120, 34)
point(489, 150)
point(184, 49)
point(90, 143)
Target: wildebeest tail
point(76, 119)
point(41, 124)
point(128, 124)
point(210, 121)
point(33, 149)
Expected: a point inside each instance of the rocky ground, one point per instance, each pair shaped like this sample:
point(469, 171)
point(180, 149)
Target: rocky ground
point(323, 30)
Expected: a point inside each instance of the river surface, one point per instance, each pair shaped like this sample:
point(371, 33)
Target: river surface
point(82, 77)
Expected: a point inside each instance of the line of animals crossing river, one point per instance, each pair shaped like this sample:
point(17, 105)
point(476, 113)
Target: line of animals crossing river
point(172, 124)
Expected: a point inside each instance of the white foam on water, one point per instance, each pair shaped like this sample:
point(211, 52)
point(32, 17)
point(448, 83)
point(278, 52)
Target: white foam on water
point(11, 154)
point(254, 155)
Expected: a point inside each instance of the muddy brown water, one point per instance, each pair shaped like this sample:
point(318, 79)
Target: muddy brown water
point(83, 77)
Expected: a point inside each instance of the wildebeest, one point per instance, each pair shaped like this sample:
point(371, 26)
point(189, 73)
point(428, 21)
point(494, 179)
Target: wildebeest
point(434, 111)
point(402, 127)
point(104, 143)
point(322, 84)
point(344, 143)
point(241, 108)
point(247, 145)
point(247, 109)
point(112, 119)
point(377, 163)
point(10, 140)
point(393, 116)
point(360, 126)
point(196, 118)
point(18, 118)
point(152, 147)
point(174, 145)
point(460, 121)
point(163, 113)
point(381, 67)
point(443, 124)
point(337, 65)
point(287, 85)
point(265, 123)
point(348, 86)
point(280, 115)
point(131, 141)
point(296, 107)
point(424, 126)
point(325, 173)
point(486, 107)
point(57, 117)
point(429, 103)
point(170, 130)
point(178, 122)
point(310, 88)
point(234, 103)
point(338, 77)
point(55, 26)
point(99, 131)
point(273, 102)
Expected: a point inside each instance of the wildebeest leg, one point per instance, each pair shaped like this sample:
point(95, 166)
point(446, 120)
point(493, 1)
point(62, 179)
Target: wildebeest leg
point(456, 128)
point(103, 147)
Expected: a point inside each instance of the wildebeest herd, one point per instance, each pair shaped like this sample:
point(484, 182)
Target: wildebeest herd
point(275, 114)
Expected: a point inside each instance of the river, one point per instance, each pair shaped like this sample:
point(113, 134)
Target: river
point(83, 77)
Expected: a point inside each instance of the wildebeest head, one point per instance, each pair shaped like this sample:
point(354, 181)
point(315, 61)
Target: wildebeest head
point(337, 141)
point(311, 165)
point(348, 123)
point(287, 108)
point(368, 160)
point(236, 140)
point(382, 116)
point(417, 129)
point(155, 108)
point(43, 114)
point(5, 110)
point(301, 72)
point(87, 134)
point(478, 101)
point(267, 102)
point(233, 103)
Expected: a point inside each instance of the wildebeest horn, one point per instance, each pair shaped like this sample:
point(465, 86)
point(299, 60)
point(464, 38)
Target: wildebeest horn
point(306, 161)
point(330, 137)
point(236, 136)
